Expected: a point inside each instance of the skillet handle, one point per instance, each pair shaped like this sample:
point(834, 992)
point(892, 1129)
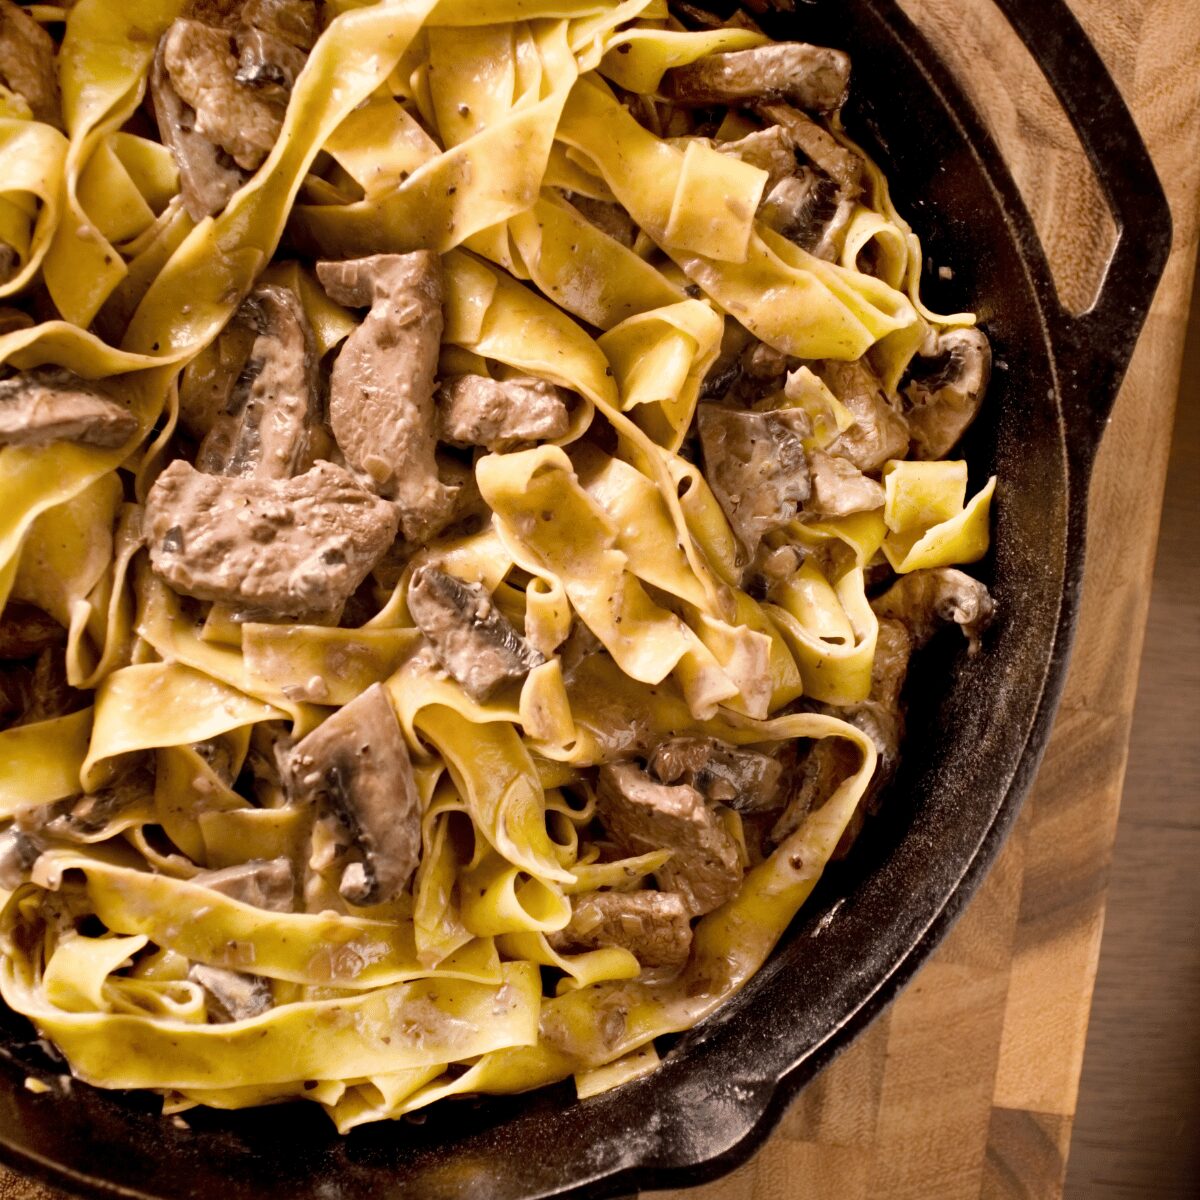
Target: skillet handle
point(1093, 349)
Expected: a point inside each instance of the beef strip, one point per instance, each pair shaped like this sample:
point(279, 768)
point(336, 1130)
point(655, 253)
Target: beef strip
point(27, 62)
point(946, 385)
point(25, 631)
point(292, 547)
point(52, 404)
point(653, 926)
point(267, 426)
point(745, 780)
point(756, 467)
point(925, 599)
point(643, 815)
point(470, 636)
point(357, 761)
point(263, 883)
point(232, 995)
point(812, 77)
point(879, 432)
point(381, 392)
point(474, 410)
point(840, 488)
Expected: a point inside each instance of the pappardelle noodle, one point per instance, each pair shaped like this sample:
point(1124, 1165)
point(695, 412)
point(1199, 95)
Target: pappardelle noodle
point(472, 478)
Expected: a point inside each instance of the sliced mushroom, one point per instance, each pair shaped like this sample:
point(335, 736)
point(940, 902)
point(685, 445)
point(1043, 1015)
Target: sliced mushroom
point(607, 215)
point(357, 761)
point(771, 150)
point(381, 392)
point(470, 636)
point(18, 852)
point(810, 209)
point(642, 815)
point(293, 547)
point(818, 145)
point(745, 780)
point(812, 77)
point(756, 466)
point(474, 410)
point(262, 882)
point(27, 62)
point(653, 926)
point(266, 429)
point(232, 995)
point(51, 404)
point(87, 818)
point(879, 432)
point(274, 42)
point(945, 389)
point(840, 488)
point(210, 385)
point(924, 600)
point(25, 631)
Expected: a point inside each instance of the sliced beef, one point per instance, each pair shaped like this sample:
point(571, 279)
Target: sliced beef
point(840, 488)
point(357, 762)
point(51, 404)
point(746, 780)
point(27, 62)
point(474, 410)
point(756, 466)
point(879, 432)
point(232, 995)
point(263, 883)
point(812, 77)
point(607, 215)
point(642, 815)
point(471, 638)
point(381, 392)
point(293, 547)
point(926, 599)
point(653, 926)
point(946, 385)
point(25, 631)
point(267, 426)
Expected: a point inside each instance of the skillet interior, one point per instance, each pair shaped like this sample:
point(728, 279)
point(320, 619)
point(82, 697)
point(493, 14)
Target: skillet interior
point(974, 735)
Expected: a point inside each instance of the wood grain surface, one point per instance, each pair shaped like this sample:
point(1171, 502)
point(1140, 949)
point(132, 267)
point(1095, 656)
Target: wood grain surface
point(967, 1086)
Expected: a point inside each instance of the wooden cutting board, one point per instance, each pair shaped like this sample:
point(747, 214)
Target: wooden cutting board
point(966, 1086)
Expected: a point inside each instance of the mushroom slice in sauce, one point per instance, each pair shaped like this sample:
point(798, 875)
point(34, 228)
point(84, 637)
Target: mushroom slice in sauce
point(471, 638)
point(90, 817)
point(18, 852)
point(293, 547)
point(879, 432)
point(266, 883)
point(813, 77)
point(756, 466)
point(643, 815)
point(925, 599)
point(810, 209)
point(266, 428)
point(274, 42)
point(357, 761)
point(27, 62)
point(818, 145)
point(52, 404)
point(945, 389)
point(474, 410)
point(232, 995)
point(746, 780)
point(653, 926)
point(839, 488)
point(381, 391)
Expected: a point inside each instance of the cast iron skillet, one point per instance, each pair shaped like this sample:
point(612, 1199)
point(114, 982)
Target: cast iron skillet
point(972, 748)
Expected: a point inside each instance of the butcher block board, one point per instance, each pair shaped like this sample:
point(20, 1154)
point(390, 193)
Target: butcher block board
point(966, 1086)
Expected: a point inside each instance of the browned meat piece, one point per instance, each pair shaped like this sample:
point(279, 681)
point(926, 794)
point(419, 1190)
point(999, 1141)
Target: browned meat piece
point(743, 779)
point(643, 815)
point(358, 763)
point(812, 77)
point(27, 62)
point(263, 883)
point(471, 638)
point(840, 488)
point(293, 547)
point(232, 995)
point(50, 404)
point(18, 852)
point(923, 600)
point(756, 466)
point(37, 693)
point(879, 432)
point(381, 391)
point(817, 144)
point(207, 176)
point(85, 818)
point(293, 22)
point(808, 208)
point(266, 428)
point(945, 389)
point(607, 216)
point(25, 631)
point(653, 926)
point(474, 410)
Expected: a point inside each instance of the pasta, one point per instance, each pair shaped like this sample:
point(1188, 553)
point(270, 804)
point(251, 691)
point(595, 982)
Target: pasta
point(472, 477)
